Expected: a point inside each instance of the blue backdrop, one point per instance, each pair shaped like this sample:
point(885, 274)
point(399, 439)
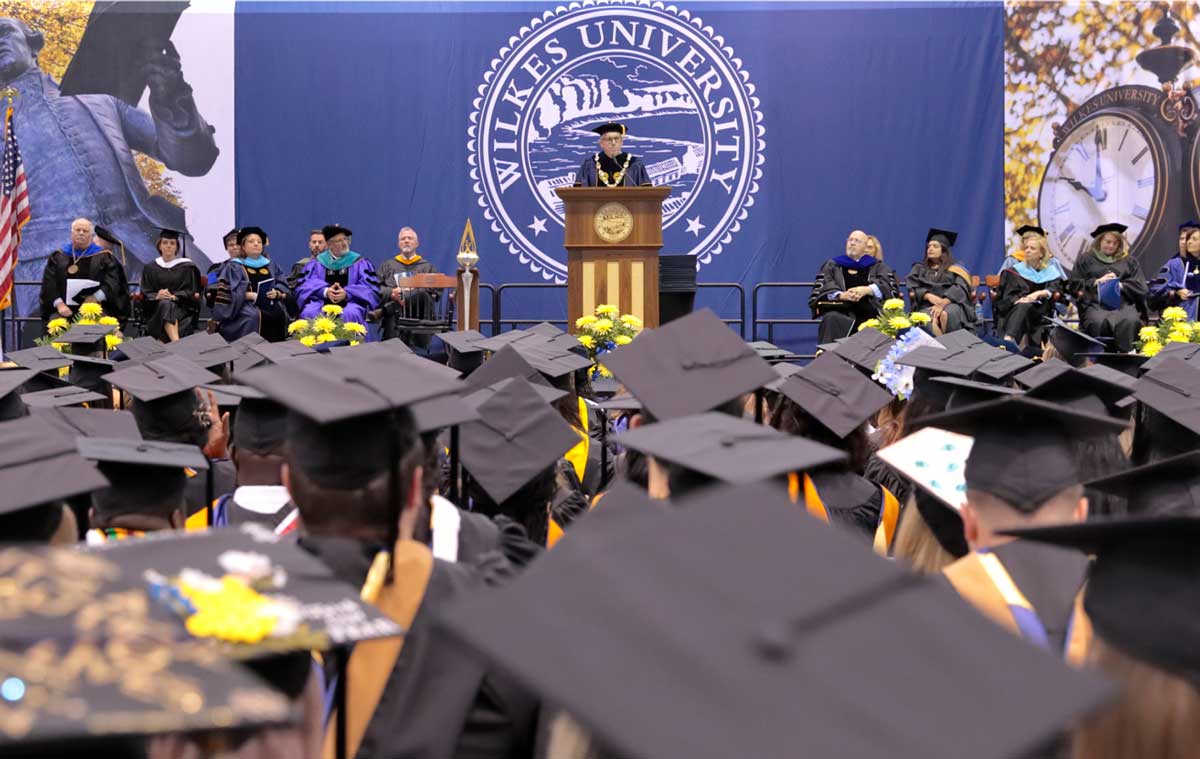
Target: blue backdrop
point(883, 117)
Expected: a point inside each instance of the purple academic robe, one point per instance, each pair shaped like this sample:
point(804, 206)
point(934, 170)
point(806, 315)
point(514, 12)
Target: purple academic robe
point(362, 290)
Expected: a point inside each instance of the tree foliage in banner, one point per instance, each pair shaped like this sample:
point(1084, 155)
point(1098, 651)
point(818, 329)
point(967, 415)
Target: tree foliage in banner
point(1056, 56)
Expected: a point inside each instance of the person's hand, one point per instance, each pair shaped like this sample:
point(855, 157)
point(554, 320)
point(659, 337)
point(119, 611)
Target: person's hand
point(1106, 277)
point(1183, 293)
point(848, 295)
point(936, 312)
point(1026, 299)
point(251, 296)
point(273, 295)
point(63, 310)
point(218, 428)
point(164, 294)
point(398, 294)
point(337, 294)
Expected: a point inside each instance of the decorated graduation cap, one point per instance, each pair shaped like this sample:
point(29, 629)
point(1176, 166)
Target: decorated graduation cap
point(245, 232)
point(1106, 228)
point(517, 436)
point(728, 449)
point(835, 394)
point(1022, 451)
point(39, 465)
point(608, 127)
point(1132, 555)
point(330, 231)
point(944, 236)
point(693, 364)
point(773, 637)
point(12, 381)
point(1027, 228)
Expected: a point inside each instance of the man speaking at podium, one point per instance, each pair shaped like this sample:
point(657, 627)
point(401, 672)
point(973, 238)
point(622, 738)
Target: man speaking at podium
point(612, 167)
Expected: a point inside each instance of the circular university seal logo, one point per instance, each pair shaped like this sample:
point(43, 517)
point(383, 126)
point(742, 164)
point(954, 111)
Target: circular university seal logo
point(690, 109)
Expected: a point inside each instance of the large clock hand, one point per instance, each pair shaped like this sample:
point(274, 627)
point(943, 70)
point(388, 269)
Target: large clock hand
point(1097, 191)
point(1076, 184)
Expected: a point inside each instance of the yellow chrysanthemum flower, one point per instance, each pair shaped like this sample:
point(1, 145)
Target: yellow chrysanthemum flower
point(601, 326)
point(603, 371)
point(326, 337)
point(95, 309)
point(56, 325)
point(58, 346)
point(85, 320)
point(587, 341)
point(622, 339)
point(584, 321)
point(1151, 349)
point(1179, 336)
point(297, 326)
point(110, 321)
point(355, 342)
point(899, 322)
point(332, 309)
point(356, 328)
point(893, 304)
point(1174, 314)
point(631, 321)
point(112, 341)
point(869, 324)
point(607, 309)
point(309, 340)
point(920, 317)
point(1148, 334)
point(324, 324)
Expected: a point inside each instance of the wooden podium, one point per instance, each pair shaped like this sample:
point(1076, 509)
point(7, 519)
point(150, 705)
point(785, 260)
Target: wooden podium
point(612, 237)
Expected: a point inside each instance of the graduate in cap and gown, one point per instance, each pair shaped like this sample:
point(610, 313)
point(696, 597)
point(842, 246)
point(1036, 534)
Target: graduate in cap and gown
point(940, 286)
point(251, 292)
point(170, 290)
point(1178, 281)
point(1109, 288)
point(1029, 290)
point(340, 277)
point(849, 289)
point(612, 166)
point(256, 450)
point(84, 258)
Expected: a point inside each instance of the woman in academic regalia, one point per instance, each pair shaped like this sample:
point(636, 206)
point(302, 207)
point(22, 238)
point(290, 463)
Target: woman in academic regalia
point(251, 292)
point(1178, 281)
point(940, 287)
point(1110, 289)
point(1029, 289)
point(170, 289)
point(338, 276)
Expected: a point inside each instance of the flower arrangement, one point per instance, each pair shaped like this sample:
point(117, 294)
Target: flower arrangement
point(1173, 327)
point(894, 321)
point(898, 379)
point(605, 329)
point(89, 313)
point(329, 327)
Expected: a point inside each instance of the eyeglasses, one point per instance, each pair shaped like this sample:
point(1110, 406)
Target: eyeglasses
point(611, 139)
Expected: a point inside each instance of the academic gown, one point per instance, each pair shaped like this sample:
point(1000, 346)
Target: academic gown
point(635, 175)
point(237, 316)
point(357, 278)
point(953, 283)
point(266, 505)
point(182, 278)
point(841, 318)
point(195, 491)
point(1179, 273)
point(851, 500)
point(1025, 320)
point(94, 263)
point(1121, 324)
point(438, 700)
point(418, 303)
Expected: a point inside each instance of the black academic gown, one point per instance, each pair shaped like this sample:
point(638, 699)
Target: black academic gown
point(1025, 320)
point(850, 500)
point(440, 701)
point(195, 492)
point(841, 318)
point(102, 267)
point(952, 283)
point(1121, 324)
point(183, 281)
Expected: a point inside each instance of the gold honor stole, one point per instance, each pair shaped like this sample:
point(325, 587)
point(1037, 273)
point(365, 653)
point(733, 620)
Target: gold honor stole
point(812, 499)
point(371, 662)
point(889, 516)
point(983, 581)
point(578, 456)
point(409, 261)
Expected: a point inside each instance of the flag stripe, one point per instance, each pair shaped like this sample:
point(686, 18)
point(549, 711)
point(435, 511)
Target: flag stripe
point(14, 208)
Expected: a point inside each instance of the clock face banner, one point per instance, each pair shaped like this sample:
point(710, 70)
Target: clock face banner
point(1100, 126)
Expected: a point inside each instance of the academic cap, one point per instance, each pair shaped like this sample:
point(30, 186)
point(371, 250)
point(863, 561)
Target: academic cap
point(11, 400)
point(476, 398)
point(141, 453)
point(611, 126)
point(1187, 352)
point(331, 230)
point(1104, 228)
point(43, 358)
point(1022, 450)
point(138, 349)
point(934, 460)
point(1112, 376)
point(1082, 391)
point(784, 371)
point(446, 411)
point(769, 352)
point(788, 643)
point(1001, 365)
point(1073, 344)
point(104, 234)
point(727, 448)
point(504, 364)
point(89, 337)
point(550, 361)
point(959, 338)
point(690, 365)
point(231, 396)
point(1141, 595)
point(865, 348)
point(1189, 224)
point(496, 342)
point(207, 350)
point(1173, 390)
point(605, 387)
point(247, 359)
point(836, 394)
point(1042, 372)
point(1168, 486)
point(39, 464)
point(245, 232)
point(260, 425)
point(74, 421)
point(179, 237)
point(463, 341)
point(1030, 228)
point(955, 362)
point(61, 396)
point(517, 436)
point(948, 237)
point(623, 402)
point(964, 392)
point(160, 378)
point(277, 353)
point(231, 233)
point(88, 372)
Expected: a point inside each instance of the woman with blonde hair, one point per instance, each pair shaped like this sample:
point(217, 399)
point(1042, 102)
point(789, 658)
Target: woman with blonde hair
point(1029, 290)
point(874, 248)
point(1109, 289)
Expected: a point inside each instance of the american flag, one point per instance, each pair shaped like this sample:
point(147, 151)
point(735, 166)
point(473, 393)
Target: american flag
point(14, 209)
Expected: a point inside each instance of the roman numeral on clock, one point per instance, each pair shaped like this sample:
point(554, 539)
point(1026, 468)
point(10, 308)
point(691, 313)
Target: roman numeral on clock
point(1140, 212)
point(1138, 157)
point(1121, 146)
point(1145, 181)
point(1065, 235)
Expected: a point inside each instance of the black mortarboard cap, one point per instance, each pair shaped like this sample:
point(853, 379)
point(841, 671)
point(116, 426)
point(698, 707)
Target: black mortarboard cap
point(277, 353)
point(955, 362)
point(463, 341)
point(43, 358)
point(549, 360)
point(1072, 344)
point(784, 371)
point(727, 448)
point(949, 237)
point(61, 396)
point(231, 396)
point(247, 359)
point(1104, 228)
point(964, 392)
point(1141, 595)
point(1173, 390)
point(475, 398)
point(159, 378)
point(610, 126)
point(1030, 228)
point(1042, 372)
point(74, 421)
point(1002, 365)
point(1112, 376)
point(331, 230)
point(88, 337)
point(445, 411)
point(138, 349)
point(769, 352)
point(1082, 391)
point(836, 394)
point(517, 436)
point(142, 453)
point(12, 381)
point(168, 234)
point(693, 364)
point(496, 342)
point(244, 232)
point(623, 402)
point(1169, 486)
point(207, 350)
point(959, 338)
point(1186, 352)
point(231, 233)
point(503, 364)
point(1189, 224)
point(604, 387)
point(88, 372)
point(39, 464)
point(786, 652)
point(865, 348)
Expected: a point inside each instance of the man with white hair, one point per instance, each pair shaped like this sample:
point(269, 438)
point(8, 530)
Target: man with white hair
point(850, 289)
point(398, 301)
point(84, 271)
